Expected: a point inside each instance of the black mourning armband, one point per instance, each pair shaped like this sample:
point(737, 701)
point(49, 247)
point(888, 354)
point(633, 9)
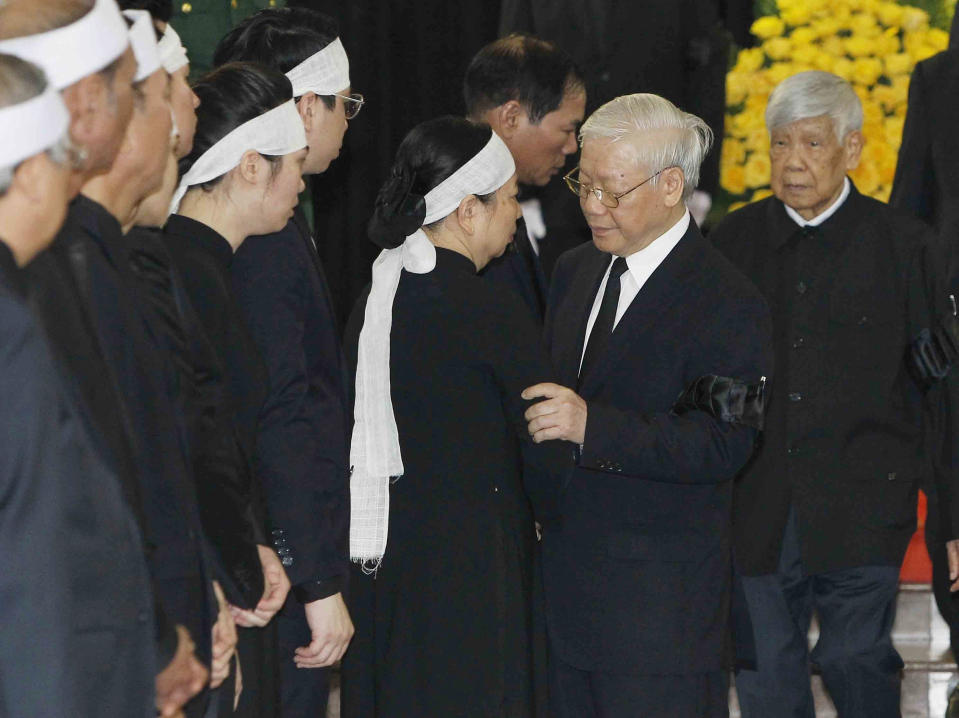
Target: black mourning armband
point(934, 351)
point(725, 399)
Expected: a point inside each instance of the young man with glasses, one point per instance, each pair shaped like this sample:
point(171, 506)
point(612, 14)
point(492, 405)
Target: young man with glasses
point(302, 443)
point(636, 570)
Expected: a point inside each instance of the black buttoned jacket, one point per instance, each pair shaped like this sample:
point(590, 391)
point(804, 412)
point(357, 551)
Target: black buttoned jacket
point(637, 568)
point(849, 433)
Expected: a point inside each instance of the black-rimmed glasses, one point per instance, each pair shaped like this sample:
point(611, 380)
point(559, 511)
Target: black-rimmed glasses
point(604, 197)
point(352, 104)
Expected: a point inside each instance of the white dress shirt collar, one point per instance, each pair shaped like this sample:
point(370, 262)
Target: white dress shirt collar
point(639, 268)
point(823, 216)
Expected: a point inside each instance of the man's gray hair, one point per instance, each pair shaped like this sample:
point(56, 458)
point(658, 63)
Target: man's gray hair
point(815, 94)
point(21, 81)
point(685, 138)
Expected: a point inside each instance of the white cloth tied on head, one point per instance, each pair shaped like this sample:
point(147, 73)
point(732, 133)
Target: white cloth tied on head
point(30, 127)
point(277, 132)
point(75, 51)
point(375, 454)
point(325, 73)
point(172, 53)
point(143, 40)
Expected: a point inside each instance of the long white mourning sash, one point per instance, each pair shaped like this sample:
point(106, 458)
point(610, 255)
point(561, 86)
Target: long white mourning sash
point(143, 40)
point(172, 53)
point(375, 454)
point(30, 127)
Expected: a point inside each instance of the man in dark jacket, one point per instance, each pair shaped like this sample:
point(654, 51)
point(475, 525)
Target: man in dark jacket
point(533, 97)
point(303, 428)
point(637, 567)
point(824, 512)
point(77, 602)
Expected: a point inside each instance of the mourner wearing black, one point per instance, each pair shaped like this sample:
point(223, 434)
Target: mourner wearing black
point(825, 510)
point(213, 220)
point(78, 602)
point(100, 106)
point(301, 441)
point(637, 569)
point(533, 97)
point(452, 596)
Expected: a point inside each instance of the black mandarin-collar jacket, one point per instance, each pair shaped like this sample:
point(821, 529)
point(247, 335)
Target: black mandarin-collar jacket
point(849, 434)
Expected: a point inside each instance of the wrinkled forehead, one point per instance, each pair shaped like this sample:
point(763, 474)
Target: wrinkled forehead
point(625, 154)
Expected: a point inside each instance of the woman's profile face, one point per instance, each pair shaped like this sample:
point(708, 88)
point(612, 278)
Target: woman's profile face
point(503, 212)
point(281, 194)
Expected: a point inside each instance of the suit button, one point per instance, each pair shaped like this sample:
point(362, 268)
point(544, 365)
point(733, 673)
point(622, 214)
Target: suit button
point(801, 287)
point(891, 476)
point(795, 396)
point(283, 551)
point(496, 489)
point(277, 532)
point(793, 451)
point(798, 342)
point(287, 561)
point(186, 8)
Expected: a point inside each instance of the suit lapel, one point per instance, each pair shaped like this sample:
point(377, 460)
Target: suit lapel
point(664, 287)
point(299, 221)
point(582, 293)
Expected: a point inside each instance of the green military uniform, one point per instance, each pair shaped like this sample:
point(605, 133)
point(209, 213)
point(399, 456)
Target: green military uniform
point(202, 23)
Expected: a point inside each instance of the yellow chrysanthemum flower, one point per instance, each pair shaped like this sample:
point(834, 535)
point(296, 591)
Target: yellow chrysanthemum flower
point(767, 27)
point(756, 170)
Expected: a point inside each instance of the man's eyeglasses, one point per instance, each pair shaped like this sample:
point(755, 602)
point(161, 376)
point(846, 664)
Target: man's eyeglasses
point(352, 104)
point(604, 197)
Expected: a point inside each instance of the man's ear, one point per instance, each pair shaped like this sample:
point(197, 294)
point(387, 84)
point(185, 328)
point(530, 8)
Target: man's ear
point(853, 144)
point(307, 108)
point(509, 119)
point(466, 213)
point(251, 167)
point(673, 181)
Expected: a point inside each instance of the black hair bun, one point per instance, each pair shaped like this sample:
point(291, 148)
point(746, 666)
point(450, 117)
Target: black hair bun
point(398, 211)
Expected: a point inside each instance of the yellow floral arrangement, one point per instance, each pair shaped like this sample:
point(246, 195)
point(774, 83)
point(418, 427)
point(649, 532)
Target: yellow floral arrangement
point(874, 44)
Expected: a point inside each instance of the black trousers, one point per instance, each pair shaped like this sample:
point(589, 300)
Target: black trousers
point(859, 665)
point(304, 692)
point(593, 694)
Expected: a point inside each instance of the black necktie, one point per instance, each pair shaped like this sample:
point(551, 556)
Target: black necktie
point(603, 326)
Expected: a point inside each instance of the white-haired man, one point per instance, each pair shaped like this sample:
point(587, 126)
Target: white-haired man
point(823, 514)
point(637, 566)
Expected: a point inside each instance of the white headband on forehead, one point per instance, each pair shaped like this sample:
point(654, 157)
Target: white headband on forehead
point(172, 53)
point(71, 53)
point(143, 40)
point(375, 449)
point(29, 128)
point(277, 132)
point(325, 73)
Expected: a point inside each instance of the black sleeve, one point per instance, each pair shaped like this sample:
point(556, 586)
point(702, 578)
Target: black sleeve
point(913, 188)
point(301, 436)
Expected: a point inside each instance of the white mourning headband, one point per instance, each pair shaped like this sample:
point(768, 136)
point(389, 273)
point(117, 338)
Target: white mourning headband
point(143, 40)
point(325, 73)
point(71, 53)
point(172, 53)
point(29, 128)
point(277, 132)
point(375, 448)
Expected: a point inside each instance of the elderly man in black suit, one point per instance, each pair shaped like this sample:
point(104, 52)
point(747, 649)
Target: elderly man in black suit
point(824, 513)
point(637, 567)
point(532, 95)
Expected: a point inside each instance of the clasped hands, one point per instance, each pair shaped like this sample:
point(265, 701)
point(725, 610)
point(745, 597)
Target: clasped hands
point(560, 415)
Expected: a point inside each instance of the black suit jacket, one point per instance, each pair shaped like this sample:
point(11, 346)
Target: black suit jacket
point(302, 435)
point(519, 271)
point(674, 48)
point(927, 172)
point(637, 570)
point(76, 614)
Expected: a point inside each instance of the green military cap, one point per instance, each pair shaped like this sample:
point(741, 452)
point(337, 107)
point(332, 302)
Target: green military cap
point(201, 24)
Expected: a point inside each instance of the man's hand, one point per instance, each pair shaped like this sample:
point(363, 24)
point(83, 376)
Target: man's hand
point(276, 586)
point(952, 553)
point(331, 628)
point(182, 679)
point(224, 640)
point(561, 416)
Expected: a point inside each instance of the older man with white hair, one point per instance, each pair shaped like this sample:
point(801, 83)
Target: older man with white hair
point(823, 514)
point(637, 565)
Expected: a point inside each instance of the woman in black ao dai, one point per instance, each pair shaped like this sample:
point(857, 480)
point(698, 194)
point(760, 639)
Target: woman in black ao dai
point(445, 624)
